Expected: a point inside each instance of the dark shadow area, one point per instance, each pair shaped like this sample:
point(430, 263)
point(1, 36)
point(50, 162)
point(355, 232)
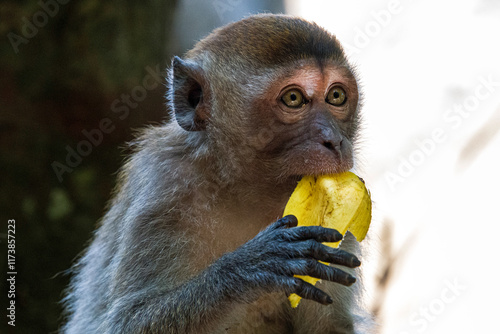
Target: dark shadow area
point(77, 79)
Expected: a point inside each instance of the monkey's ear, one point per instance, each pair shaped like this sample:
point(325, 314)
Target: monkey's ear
point(189, 95)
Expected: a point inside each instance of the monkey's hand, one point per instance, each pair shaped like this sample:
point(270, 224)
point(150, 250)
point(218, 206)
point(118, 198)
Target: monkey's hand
point(268, 262)
point(265, 264)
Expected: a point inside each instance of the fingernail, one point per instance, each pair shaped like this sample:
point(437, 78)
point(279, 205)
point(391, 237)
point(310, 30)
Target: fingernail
point(355, 262)
point(329, 299)
point(291, 219)
point(351, 279)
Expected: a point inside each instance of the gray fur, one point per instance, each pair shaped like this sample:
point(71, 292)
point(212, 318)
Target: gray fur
point(184, 246)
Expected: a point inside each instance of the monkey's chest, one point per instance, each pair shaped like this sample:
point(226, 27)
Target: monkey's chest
point(266, 315)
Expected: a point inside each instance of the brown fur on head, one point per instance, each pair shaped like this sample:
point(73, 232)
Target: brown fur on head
point(269, 40)
point(222, 91)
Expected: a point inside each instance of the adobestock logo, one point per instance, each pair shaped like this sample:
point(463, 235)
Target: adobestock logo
point(39, 20)
point(452, 118)
point(224, 6)
point(380, 19)
point(420, 320)
point(121, 108)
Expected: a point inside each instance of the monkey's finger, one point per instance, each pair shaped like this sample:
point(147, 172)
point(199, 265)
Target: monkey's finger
point(308, 291)
point(287, 221)
point(338, 256)
point(318, 233)
point(316, 269)
point(313, 249)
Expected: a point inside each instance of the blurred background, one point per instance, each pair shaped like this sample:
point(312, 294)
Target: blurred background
point(79, 77)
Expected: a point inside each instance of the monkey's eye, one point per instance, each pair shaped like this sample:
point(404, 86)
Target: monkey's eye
point(336, 96)
point(293, 98)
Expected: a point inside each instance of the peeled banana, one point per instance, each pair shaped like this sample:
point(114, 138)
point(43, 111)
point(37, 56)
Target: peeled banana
point(338, 201)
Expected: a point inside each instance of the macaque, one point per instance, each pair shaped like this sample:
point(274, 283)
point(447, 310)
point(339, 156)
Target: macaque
point(194, 240)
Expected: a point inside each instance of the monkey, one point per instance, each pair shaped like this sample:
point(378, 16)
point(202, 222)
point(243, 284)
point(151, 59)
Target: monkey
point(193, 240)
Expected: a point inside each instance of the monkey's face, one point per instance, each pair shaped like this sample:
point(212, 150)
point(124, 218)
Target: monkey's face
point(309, 112)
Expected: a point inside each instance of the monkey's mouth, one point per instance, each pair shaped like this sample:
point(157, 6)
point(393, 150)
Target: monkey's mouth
point(317, 159)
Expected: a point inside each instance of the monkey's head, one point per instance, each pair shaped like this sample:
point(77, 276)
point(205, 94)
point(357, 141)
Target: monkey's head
point(271, 94)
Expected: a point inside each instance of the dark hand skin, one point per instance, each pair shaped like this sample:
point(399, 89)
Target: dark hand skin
point(271, 259)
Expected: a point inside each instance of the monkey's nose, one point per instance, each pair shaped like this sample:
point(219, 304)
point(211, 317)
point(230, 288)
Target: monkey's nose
point(335, 146)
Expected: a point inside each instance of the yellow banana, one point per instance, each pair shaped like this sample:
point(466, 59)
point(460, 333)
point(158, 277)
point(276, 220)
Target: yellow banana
point(338, 201)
